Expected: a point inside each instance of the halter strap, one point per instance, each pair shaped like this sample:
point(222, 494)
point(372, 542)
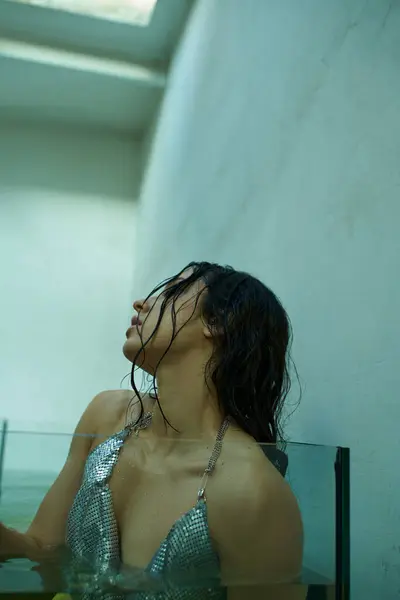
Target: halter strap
point(201, 494)
point(145, 421)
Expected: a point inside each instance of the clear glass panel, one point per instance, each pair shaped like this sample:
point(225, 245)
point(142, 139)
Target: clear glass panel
point(3, 436)
point(33, 460)
point(137, 12)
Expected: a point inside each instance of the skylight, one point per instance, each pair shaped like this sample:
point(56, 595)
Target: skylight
point(136, 12)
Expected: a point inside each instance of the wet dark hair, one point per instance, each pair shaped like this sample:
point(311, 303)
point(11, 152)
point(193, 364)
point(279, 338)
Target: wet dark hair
point(252, 339)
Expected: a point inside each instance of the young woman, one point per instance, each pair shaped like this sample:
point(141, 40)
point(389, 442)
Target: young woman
point(174, 483)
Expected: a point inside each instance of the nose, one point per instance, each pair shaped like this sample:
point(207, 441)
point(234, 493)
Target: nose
point(139, 305)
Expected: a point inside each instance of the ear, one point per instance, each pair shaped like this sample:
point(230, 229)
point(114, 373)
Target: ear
point(210, 330)
point(207, 331)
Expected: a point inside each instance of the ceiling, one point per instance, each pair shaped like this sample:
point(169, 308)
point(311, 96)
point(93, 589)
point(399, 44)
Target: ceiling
point(83, 71)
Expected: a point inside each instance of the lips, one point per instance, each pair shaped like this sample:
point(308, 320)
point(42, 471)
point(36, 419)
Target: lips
point(135, 321)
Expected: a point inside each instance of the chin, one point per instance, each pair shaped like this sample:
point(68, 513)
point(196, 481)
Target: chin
point(130, 350)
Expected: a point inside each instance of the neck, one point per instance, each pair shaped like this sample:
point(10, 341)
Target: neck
point(187, 402)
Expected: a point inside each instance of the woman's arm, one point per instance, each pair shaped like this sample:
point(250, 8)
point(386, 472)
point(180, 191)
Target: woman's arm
point(47, 529)
point(261, 541)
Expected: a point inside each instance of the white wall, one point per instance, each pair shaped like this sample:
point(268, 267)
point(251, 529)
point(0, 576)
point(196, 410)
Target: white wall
point(278, 151)
point(67, 230)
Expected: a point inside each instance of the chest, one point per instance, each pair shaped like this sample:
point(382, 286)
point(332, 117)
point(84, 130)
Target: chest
point(151, 492)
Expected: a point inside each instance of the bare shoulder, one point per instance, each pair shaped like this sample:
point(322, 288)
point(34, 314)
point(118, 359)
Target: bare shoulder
point(257, 517)
point(112, 401)
point(249, 478)
point(107, 410)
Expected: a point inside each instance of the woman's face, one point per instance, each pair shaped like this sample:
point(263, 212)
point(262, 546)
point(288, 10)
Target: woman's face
point(190, 330)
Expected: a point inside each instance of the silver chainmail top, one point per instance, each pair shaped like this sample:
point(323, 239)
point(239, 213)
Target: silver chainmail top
point(186, 554)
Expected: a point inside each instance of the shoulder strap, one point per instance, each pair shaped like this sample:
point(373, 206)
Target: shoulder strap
point(201, 495)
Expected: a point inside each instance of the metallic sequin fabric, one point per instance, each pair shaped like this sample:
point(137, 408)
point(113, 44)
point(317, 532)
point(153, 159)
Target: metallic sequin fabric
point(186, 554)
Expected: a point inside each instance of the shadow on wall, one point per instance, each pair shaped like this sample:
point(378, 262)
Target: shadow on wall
point(35, 157)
